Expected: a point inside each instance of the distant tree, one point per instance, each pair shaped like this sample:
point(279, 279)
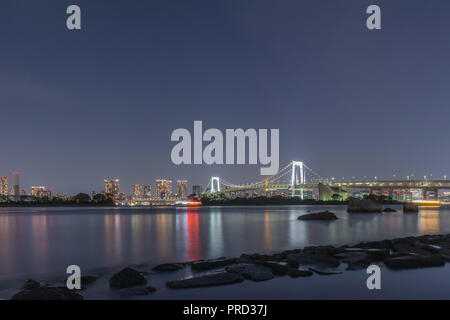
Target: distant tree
point(82, 198)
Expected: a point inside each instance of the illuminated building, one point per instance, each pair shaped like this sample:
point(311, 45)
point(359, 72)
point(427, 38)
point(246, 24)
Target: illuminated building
point(163, 188)
point(16, 186)
point(112, 188)
point(147, 191)
point(41, 192)
point(197, 189)
point(4, 187)
point(138, 191)
point(182, 188)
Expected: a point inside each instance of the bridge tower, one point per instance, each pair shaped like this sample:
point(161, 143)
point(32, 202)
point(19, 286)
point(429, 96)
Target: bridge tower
point(215, 184)
point(294, 181)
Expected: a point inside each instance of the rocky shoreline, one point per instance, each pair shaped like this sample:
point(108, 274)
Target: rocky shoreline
point(397, 254)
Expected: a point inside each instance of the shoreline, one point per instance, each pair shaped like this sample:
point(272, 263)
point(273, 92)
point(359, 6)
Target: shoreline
point(414, 252)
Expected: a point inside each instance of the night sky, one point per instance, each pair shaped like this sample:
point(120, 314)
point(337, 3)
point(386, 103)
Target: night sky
point(81, 106)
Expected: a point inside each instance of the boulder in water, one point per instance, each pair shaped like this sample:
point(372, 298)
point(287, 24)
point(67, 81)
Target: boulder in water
point(209, 280)
point(126, 278)
point(253, 272)
point(321, 216)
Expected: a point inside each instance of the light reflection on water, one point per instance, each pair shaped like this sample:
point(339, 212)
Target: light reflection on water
point(45, 240)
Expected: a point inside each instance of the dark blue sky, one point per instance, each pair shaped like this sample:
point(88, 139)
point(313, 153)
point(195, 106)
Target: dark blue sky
point(78, 107)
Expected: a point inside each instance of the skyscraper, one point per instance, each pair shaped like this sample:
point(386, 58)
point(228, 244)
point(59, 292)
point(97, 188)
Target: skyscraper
point(197, 189)
point(112, 188)
point(163, 188)
point(182, 189)
point(147, 191)
point(138, 191)
point(16, 186)
point(4, 187)
point(41, 192)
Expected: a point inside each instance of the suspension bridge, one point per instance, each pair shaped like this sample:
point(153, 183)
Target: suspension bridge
point(296, 177)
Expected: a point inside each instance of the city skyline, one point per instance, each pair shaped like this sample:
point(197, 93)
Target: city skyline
point(102, 102)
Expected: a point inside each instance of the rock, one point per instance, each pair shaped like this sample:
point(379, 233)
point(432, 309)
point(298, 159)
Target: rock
point(247, 258)
point(378, 254)
point(324, 272)
point(211, 264)
point(373, 253)
point(316, 260)
point(321, 216)
point(430, 239)
point(389, 210)
point(167, 267)
point(215, 279)
point(362, 206)
point(353, 257)
point(285, 254)
point(427, 247)
point(410, 208)
point(294, 273)
point(126, 278)
point(30, 284)
point(412, 262)
point(143, 291)
point(253, 272)
point(355, 260)
point(47, 293)
point(385, 244)
point(278, 268)
point(403, 244)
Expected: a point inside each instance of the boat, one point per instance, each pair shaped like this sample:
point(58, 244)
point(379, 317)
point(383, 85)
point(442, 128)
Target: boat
point(188, 203)
point(427, 203)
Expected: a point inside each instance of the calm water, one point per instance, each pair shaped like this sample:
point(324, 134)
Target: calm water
point(45, 240)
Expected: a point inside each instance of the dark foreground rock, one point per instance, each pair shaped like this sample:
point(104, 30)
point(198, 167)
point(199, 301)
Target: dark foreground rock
point(215, 279)
point(413, 262)
point(47, 293)
point(320, 216)
point(389, 210)
point(294, 273)
point(255, 272)
point(324, 272)
point(410, 208)
point(211, 264)
point(278, 268)
point(363, 206)
point(315, 260)
point(126, 278)
point(168, 267)
point(30, 284)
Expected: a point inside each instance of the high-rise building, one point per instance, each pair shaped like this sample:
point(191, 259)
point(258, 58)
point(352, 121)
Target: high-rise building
point(138, 191)
point(197, 189)
point(41, 192)
point(147, 191)
point(16, 186)
point(163, 188)
point(4, 187)
point(182, 189)
point(112, 188)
